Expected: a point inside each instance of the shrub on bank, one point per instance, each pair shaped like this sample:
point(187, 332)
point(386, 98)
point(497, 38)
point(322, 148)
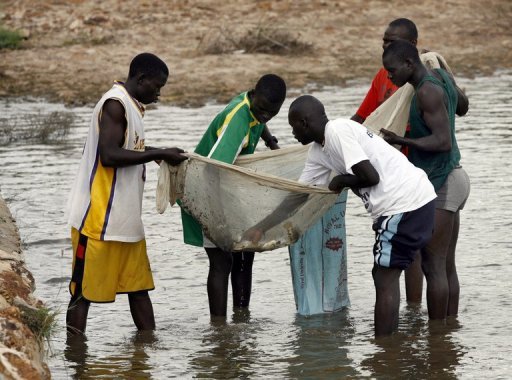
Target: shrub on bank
point(9, 39)
point(36, 127)
point(265, 39)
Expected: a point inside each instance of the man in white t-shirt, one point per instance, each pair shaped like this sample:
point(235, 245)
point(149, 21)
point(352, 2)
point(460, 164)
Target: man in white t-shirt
point(399, 196)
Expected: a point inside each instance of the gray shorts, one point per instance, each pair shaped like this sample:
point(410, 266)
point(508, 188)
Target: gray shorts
point(453, 194)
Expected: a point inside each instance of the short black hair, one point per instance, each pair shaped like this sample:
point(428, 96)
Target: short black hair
point(148, 64)
point(403, 50)
point(272, 87)
point(409, 27)
point(306, 104)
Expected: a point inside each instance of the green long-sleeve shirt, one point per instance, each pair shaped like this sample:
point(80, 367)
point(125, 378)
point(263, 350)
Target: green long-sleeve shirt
point(233, 131)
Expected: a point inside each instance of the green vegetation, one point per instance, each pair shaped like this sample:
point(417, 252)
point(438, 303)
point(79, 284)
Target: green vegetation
point(41, 321)
point(9, 39)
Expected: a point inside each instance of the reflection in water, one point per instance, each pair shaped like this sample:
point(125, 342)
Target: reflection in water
point(420, 349)
point(229, 350)
point(75, 353)
point(129, 362)
point(321, 347)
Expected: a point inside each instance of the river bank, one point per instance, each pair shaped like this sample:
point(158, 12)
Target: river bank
point(21, 351)
point(74, 49)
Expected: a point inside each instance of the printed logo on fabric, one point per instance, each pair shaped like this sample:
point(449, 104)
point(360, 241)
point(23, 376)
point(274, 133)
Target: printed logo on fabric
point(334, 244)
point(336, 222)
point(138, 143)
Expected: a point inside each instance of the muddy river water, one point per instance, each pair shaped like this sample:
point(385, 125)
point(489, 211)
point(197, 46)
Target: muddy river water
point(271, 341)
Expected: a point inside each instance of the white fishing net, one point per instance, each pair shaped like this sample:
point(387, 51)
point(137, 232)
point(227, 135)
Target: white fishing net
point(227, 200)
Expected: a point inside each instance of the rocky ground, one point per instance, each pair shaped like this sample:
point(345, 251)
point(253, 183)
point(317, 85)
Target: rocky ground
point(21, 349)
point(74, 49)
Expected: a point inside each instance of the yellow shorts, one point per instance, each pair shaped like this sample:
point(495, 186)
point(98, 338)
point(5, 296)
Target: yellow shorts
point(101, 269)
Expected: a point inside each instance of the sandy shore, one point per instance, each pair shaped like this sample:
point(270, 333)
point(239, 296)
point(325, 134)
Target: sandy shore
point(74, 49)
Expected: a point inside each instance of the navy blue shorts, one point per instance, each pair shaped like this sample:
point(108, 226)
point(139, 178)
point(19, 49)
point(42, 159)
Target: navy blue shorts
point(398, 237)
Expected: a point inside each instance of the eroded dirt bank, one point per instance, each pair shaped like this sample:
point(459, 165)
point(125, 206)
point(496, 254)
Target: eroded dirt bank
point(21, 350)
point(74, 49)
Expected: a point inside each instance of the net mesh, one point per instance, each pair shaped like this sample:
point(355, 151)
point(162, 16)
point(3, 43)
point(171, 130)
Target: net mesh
point(227, 200)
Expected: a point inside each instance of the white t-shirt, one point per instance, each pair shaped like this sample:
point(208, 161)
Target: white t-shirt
point(402, 186)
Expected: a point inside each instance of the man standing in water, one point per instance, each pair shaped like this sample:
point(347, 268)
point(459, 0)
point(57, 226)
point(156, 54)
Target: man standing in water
point(401, 29)
point(433, 148)
point(109, 247)
point(398, 195)
point(235, 130)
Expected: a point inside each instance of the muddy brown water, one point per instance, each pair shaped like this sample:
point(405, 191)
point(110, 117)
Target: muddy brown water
point(271, 341)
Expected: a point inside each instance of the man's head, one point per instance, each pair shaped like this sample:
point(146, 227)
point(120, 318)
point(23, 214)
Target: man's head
point(268, 97)
point(400, 29)
point(400, 59)
point(147, 75)
point(307, 118)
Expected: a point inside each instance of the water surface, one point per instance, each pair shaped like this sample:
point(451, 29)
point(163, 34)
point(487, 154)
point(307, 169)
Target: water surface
point(271, 341)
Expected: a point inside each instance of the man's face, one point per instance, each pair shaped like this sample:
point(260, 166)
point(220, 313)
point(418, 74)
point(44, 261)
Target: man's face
point(262, 109)
point(393, 34)
point(149, 88)
point(399, 71)
point(300, 129)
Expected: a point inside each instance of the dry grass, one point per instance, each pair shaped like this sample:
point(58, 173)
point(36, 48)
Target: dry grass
point(36, 127)
point(261, 39)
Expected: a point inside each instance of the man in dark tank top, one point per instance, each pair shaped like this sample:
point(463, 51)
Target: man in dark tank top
point(433, 148)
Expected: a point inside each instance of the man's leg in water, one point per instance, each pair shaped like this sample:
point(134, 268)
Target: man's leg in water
point(142, 310)
point(434, 264)
point(241, 278)
point(217, 284)
point(451, 270)
point(78, 309)
point(387, 299)
point(414, 281)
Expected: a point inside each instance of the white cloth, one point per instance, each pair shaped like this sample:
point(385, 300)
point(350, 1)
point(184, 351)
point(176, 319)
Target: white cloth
point(227, 200)
point(115, 210)
point(402, 186)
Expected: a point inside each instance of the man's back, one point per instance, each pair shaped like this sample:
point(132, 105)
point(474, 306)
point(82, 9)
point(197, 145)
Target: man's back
point(402, 187)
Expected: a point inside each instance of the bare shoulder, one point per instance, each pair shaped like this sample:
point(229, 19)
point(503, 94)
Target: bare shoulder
point(430, 89)
point(114, 109)
point(430, 95)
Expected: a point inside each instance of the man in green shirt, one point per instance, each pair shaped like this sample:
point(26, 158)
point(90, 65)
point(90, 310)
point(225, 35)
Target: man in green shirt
point(235, 130)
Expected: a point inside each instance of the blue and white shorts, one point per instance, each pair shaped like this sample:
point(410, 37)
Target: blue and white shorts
point(398, 237)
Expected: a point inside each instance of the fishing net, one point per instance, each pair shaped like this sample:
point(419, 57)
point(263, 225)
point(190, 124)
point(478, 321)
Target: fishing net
point(227, 200)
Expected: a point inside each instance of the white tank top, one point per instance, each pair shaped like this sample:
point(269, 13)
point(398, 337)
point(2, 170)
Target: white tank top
point(106, 203)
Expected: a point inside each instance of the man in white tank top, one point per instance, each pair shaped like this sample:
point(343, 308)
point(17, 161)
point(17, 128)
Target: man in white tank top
point(109, 247)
